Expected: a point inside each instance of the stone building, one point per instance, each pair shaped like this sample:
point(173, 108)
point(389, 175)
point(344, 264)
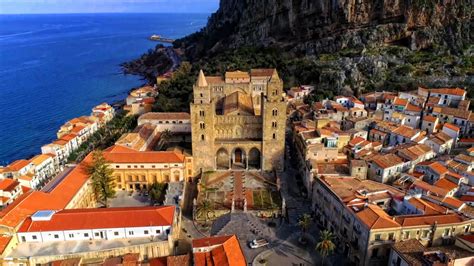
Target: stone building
point(239, 122)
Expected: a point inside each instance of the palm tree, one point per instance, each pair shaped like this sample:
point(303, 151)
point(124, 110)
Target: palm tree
point(325, 245)
point(205, 207)
point(304, 223)
point(103, 182)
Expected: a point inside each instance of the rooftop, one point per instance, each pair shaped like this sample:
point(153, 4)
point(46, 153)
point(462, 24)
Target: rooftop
point(101, 218)
point(227, 252)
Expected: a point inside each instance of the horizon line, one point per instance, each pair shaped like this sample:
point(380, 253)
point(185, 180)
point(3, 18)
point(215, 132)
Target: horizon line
point(112, 12)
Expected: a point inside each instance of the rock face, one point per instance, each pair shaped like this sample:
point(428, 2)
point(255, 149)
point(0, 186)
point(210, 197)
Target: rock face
point(325, 26)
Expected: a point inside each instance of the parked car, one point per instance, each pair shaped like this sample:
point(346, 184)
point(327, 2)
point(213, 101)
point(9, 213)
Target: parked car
point(258, 243)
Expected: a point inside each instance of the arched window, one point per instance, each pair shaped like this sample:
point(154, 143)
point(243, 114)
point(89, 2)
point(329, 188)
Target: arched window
point(202, 137)
point(274, 124)
point(275, 112)
point(274, 136)
point(202, 125)
point(201, 113)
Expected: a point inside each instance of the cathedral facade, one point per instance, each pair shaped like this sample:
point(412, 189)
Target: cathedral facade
point(238, 122)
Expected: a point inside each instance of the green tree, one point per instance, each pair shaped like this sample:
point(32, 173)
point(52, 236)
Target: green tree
point(204, 208)
point(165, 137)
point(103, 182)
point(325, 245)
point(304, 223)
point(156, 192)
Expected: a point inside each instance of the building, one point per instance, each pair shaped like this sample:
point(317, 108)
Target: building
point(150, 231)
point(385, 168)
point(413, 253)
point(239, 121)
point(368, 217)
point(218, 250)
point(10, 190)
point(104, 112)
point(136, 170)
point(174, 122)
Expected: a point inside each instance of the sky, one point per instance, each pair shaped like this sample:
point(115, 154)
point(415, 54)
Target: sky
point(107, 6)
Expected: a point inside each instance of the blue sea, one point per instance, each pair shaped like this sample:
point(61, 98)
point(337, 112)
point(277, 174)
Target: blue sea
point(57, 67)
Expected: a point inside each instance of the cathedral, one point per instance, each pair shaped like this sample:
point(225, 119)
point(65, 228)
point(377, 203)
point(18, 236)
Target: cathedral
point(238, 121)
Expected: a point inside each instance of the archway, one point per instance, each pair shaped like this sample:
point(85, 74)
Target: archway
point(254, 158)
point(222, 159)
point(176, 175)
point(239, 158)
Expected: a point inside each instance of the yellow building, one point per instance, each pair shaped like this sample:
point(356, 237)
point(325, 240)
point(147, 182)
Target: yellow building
point(136, 170)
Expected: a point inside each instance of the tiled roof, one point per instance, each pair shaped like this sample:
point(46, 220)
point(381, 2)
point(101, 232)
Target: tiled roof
point(455, 203)
point(18, 165)
point(144, 157)
point(451, 126)
point(33, 201)
point(400, 102)
point(8, 184)
point(430, 118)
point(236, 75)
point(405, 131)
point(228, 251)
point(412, 108)
point(427, 187)
point(165, 116)
point(101, 218)
point(423, 220)
point(426, 206)
point(376, 218)
point(262, 72)
point(437, 167)
point(387, 160)
point(449, 91)
point(38, 159)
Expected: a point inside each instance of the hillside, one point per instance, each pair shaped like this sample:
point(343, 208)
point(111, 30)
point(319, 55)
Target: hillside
point(326, 26)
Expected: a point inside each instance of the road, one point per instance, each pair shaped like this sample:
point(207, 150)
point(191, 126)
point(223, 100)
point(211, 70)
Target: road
point(56, 180)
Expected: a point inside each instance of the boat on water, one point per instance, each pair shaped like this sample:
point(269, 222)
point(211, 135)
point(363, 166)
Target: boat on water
point(159, 38)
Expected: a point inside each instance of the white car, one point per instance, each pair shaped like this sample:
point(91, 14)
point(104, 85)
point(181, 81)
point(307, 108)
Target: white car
point(258, 243)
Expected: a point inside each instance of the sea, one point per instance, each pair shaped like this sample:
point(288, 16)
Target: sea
point(57, 67)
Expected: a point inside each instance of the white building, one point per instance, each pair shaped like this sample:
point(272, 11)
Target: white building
point(98, 224)
point(384, 168)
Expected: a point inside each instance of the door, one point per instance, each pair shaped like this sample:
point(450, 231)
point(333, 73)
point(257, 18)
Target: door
point(238, 156)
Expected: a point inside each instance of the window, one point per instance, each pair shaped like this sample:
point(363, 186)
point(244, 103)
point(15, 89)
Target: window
point(117, 166)
point(425, 234)
point(96, 234)
point(56, 236)
point(446, 232)
point(130, 233)
point(201, 113)
point(145, 232)
point(158, 231)
point(375, 253)
point(202, 137)
point(71, 235)
point(202, 125)
point(86, 234)
point(34, 237)
point(377, 237)
point(129, 166)
point(274, 136)
point(275, 112)
point(116, 233)
point(391, 236)
point(274, 124)
point(407, 235)
point(23, 239)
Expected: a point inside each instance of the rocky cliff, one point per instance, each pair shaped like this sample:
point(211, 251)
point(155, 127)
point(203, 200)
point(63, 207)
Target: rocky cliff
point(325, 26)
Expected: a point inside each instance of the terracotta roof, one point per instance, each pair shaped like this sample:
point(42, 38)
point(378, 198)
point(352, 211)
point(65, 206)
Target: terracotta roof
point(165, 116)
point(426, 206)
point(437, 167)
point(451, 126)
point(467, 198)
point(464, 114)
point(427, 187)
point(144, 157)
point(69, 137)
point(422, 220)
point(214, 79)
point(412, 108)
point(455, 203)
point(262, 72)
point(8, 184)
point(387, 160)
point(4, 243)
point(33, 201)
point(38, 159)
point(376, 218)
point(449, 91)
point(101, 218)
point(405, 131)
point(430, 118)
point(400, 102)
point(227, 252)
point(18, 165)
